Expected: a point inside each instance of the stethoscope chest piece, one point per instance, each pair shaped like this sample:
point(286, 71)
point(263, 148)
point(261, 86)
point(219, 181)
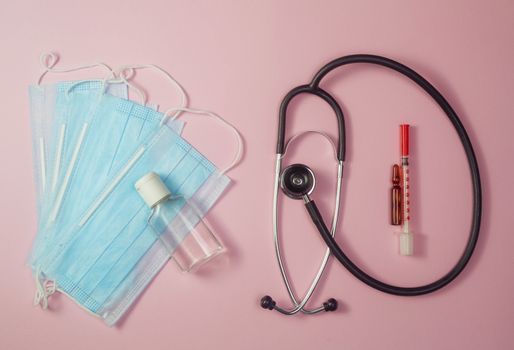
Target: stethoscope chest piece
point(297, 181)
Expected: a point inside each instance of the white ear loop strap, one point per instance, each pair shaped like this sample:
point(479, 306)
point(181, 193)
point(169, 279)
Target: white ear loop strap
point(44, 289)
point(121, 77)
point(239, 139)
point(49, 60)
point(112, 79)
point(121, 72)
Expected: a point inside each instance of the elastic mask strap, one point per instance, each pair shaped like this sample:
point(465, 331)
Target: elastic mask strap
point(239, 139)
point(299, 135)
point(111, 79)
point(126, 72)
point(44, 289)
point(49, 60)
point(105, 83)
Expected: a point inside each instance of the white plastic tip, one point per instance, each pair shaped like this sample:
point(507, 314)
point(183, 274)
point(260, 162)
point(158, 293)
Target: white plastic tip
point(406, 243)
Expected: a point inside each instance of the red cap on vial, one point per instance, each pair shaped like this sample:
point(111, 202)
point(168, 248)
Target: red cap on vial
point(404, 139)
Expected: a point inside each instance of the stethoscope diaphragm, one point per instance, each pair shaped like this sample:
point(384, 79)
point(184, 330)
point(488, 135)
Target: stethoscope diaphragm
point(297, 181)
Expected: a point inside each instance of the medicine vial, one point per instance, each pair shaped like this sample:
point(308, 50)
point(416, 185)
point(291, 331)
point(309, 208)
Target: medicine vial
point(396, 197)
point(178, 224)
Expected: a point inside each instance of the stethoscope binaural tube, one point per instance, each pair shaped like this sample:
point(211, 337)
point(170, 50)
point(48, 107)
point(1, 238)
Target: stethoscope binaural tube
point(308, 89)
point(327, 236)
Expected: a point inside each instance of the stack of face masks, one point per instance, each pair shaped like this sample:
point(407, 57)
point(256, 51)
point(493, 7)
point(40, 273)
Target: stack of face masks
point(91, 144)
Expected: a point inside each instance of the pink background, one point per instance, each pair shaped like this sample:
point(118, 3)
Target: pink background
point(239, 59)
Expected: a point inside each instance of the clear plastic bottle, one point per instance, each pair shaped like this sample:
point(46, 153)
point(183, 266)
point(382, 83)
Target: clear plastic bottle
point(178, 224)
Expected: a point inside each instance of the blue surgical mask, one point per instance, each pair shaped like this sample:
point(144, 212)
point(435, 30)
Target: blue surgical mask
point(74, 112)
point(56, 117)
point(103, 137)
point(110, 132)
point(113, 252)
point(106, 140)
point(47, 103)
point(104, 254)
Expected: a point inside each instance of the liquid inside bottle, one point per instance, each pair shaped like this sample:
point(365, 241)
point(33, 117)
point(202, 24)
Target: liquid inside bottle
point(178, 224)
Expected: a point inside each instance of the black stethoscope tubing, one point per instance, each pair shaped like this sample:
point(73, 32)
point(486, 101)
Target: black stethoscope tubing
point(314, 89)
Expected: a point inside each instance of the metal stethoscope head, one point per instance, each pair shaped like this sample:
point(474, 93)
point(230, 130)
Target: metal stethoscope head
point(297, 181)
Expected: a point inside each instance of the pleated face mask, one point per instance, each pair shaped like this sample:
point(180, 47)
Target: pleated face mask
point(74, 104)
point(48, 104)
point(103, 139)
point(55, 114)
point(113, 253)
point(116, 130)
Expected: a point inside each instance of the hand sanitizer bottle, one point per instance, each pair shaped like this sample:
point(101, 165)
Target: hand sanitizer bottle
point(178, 224)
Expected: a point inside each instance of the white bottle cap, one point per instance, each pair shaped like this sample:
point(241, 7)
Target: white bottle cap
point(151, 188)
point(406, 243)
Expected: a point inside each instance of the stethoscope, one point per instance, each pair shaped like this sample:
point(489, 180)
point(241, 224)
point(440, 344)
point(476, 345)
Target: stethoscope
point(297, 181)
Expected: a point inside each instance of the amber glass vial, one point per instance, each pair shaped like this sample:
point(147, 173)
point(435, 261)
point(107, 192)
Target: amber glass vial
point(396, 197)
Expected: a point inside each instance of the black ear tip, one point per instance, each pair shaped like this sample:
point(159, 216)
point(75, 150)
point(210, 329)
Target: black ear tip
point(267, 302)
point(330, 305)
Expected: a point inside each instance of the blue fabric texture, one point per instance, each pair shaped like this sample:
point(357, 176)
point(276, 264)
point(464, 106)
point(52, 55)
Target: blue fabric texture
point(58, 113)
point(107, 258)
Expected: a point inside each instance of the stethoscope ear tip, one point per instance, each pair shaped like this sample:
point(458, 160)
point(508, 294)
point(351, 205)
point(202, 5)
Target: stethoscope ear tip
point(267, 302)
point(330, 305)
